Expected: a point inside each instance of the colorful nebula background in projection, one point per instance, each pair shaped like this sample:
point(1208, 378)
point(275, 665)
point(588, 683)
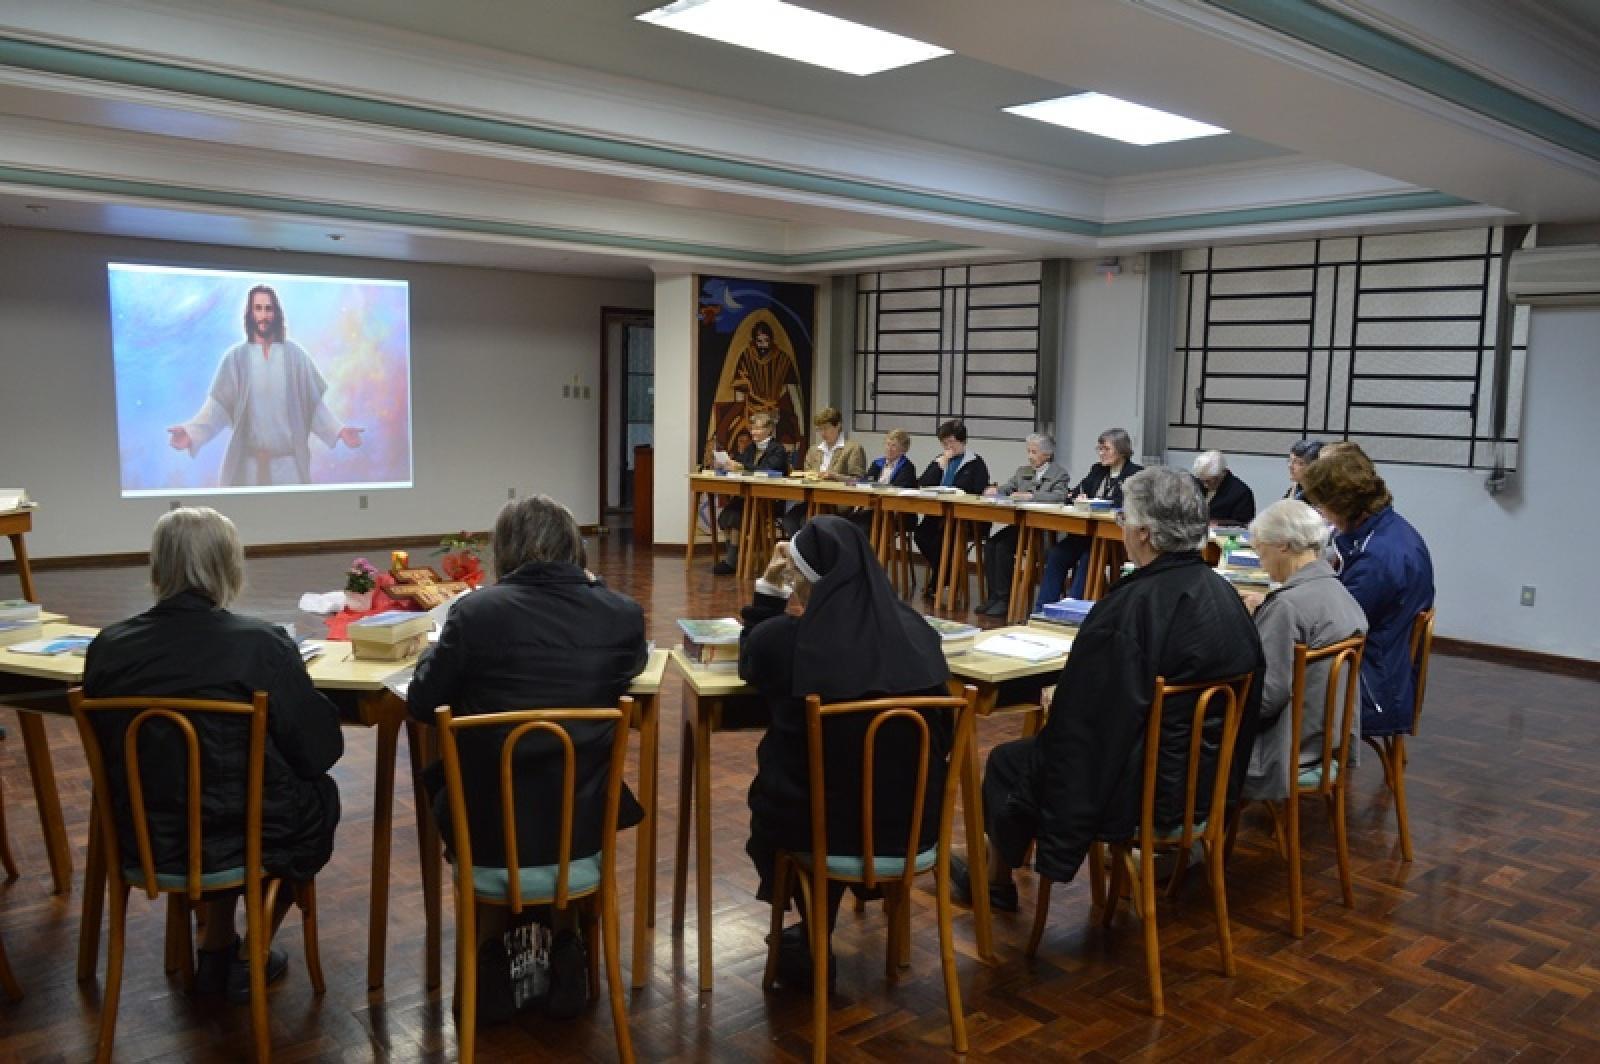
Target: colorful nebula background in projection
point(170, 328)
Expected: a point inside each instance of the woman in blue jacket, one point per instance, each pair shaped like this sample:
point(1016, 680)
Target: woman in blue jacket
point(1385, 566)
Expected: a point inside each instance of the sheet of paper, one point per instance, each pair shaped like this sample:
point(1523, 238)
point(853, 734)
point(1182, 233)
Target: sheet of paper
point(1026, 647)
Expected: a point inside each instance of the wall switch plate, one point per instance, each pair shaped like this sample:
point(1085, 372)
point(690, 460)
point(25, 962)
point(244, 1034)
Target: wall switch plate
point(511, 493)
point(566, 391)
point(1528, 593)
point(174, 504)
point(361, 502)
point(586, 391)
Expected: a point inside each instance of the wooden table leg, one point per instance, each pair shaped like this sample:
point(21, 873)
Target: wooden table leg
point(694, 528)
point(680, 866)
point(702, 840)
point(36, 747)
point(1022, 564)
point(19, 548)
point(94, 898)
point(943, 595)
point(421, 741)
point(644, 875)
point(977, 846)
point(382, 834)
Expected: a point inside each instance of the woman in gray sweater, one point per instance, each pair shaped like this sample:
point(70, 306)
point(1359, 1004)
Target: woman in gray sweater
point(1308, 606)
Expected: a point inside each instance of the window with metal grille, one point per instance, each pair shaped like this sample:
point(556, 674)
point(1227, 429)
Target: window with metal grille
point(952, 342)
point(1386, 340)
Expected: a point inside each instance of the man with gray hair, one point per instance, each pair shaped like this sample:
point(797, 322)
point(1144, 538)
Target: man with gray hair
point(1040, 480)
point(1229, 500)
point(1079, 779)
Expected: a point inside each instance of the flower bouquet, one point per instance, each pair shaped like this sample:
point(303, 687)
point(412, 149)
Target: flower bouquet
point(463, 557)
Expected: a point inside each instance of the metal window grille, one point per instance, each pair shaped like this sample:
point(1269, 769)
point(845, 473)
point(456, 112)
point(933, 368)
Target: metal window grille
point(952, 342)
point(1386, 340)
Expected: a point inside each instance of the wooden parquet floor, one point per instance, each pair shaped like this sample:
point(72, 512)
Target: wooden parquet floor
point(1487, 947)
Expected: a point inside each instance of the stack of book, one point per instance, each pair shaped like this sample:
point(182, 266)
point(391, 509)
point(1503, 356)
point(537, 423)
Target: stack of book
point(394, 635)
point(19, 621)
point(714, 642)
point(955, 636)
point(1068, 610)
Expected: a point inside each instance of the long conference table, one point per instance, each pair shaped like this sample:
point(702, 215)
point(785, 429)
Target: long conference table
point(967, 519)
point(34, 685)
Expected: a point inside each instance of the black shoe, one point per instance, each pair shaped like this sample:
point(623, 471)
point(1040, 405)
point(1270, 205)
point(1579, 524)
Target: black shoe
point(928, 593)
point(496, 996)
point(239, 974)
point(569, 977)
point(1002, 897)
point(996, 608)
point(794, 960)
point(212, 967)
point(722, 568)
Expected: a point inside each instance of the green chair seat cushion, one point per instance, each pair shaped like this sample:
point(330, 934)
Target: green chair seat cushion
point(883, 867)
point(228, 877)
point(538, 882)
point(1176, 833)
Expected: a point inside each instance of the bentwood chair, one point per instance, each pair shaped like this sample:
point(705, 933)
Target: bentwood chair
point(1329, 778)
point(1391, 749)
point(6, 859)
point(1133, 860)
point(893, 875)
point(590, 879)
point(260, 891)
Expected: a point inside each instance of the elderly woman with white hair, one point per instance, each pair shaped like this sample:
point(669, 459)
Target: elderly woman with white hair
point(1079, 779)
point(1228, 499)
point(1309, 606)
point(1040, 480)
point(188, 645)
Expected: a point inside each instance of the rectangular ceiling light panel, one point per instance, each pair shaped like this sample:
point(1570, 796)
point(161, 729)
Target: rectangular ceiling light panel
point(1107, 116)
point(781, 29)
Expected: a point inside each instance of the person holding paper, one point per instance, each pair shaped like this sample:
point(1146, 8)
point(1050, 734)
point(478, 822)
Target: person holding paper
point(1079, 779)
point(853, 639)
point(952, 467)
point(764, 453)
point(271, 393)
point(1041, 480)
point(190, 646)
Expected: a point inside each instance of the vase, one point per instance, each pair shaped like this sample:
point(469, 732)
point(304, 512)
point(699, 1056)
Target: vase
point(358, 601)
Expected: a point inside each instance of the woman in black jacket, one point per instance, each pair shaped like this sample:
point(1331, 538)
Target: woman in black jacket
point(952, 467)
point(854, 640)
point(1104, 480)
point(188, 645)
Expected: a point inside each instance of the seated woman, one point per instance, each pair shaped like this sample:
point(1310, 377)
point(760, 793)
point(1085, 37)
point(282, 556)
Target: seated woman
point(953, 467)
point(547, 634)
point(1229, 500)
point(1301, 455)
point(1079, 779)
point(1103, 481)
point(190, 646)
point(765, 454)
point(1385, 566)
point(855, 639)
point(893, 469)
point(1309, 607)
point(833, 458)
point(1041, 480)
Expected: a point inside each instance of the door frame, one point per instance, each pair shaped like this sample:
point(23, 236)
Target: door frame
point(608, 316)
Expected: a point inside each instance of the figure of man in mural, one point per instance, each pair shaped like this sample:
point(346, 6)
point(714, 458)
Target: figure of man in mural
point(274, 403)
point(762, 377)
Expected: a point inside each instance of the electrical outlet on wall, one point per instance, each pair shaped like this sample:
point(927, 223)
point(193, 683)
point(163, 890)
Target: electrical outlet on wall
point(1528, 593)
point(361, 500)
point(511, 493)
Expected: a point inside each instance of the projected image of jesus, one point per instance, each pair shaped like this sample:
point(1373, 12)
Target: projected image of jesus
point(271, 393)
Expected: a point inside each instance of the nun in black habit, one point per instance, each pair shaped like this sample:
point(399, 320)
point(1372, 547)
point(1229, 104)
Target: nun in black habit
point(855, 639)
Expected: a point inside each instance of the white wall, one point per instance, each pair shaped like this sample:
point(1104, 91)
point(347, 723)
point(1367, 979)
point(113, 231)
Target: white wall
point(1485, 548)
point(1101, 378)
point(490, 349)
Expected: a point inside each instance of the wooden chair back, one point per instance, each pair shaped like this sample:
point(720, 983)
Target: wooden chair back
point(883, 710)
point(1339, 711)
point(177, 713)
point(1233, 692)
point(524, 723)
point(1421, 652)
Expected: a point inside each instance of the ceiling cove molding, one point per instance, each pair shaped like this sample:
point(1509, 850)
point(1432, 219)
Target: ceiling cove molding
point(168, 77)
point(1383, 53)
point(121, 189)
